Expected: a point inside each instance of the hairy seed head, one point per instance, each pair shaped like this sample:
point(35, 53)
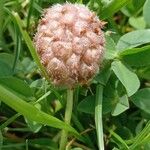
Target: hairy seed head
point(70, 43)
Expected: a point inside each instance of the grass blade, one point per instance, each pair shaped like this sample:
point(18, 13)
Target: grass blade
point(28, 41)
point(30, 12)
point(112, 7)
point(140, 139)
point(30, 45)
point(32, 112)
point(10, 120)
point(119, 140)
point(17, 47)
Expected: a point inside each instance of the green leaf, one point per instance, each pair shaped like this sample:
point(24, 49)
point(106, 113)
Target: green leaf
point(28, 65)
point(142, 99)
point(133, 7)
point(21, 88)
point(144, 73)
point(87, 105)
point(1, 140)
point(136, 56)
point(112, 7)
point(128, 78)
point(137, 22)
point(104, 75)
point(5, 70)
point(110, 47)
point(33, 125)
point(9, 60)
point(108, 104)
point(109, 98)
point(146, 10)
point(31, 112)
point(133, 39)
point(138, 3)
point(121, 106)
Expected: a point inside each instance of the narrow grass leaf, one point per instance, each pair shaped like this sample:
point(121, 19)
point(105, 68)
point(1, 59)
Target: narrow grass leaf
point(19, 87)
point(17, 47)
point(28, 41)
point(112, 7)
point(120, 142)
point(37, 7)
point(140, 138)
point(9, 121)
point(31, 112)
point(30, 13)
point(30, 46)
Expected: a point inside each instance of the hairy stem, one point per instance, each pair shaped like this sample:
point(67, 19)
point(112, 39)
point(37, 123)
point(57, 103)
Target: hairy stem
point(68, 113)
point(98, 116)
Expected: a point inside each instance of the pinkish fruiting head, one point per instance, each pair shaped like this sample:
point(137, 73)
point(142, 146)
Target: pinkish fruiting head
point(70, 43)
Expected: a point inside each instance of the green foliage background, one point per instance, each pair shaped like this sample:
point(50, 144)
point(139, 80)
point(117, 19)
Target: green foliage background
point(31, 109)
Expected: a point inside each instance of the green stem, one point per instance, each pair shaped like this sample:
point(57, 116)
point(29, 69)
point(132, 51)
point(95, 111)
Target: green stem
point(98, 116)
point(68, 113)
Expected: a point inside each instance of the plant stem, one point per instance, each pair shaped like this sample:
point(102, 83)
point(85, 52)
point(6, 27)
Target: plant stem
point(68, 113)
point(98, 116)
